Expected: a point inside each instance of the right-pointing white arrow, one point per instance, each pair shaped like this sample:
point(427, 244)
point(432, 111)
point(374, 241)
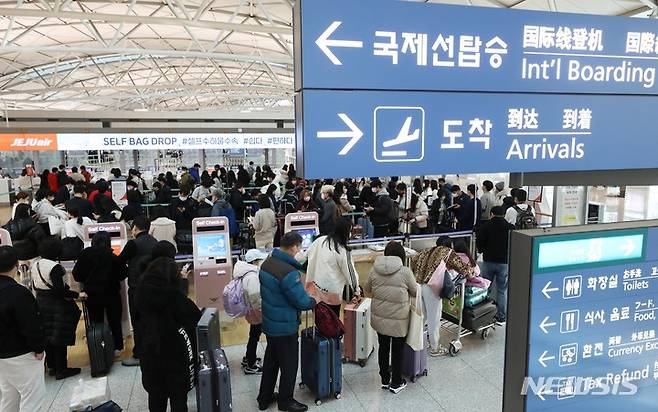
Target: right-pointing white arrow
point(545, 324)
point(324, 43)
point(543, 358)
point(354, 133)
point(548, 289)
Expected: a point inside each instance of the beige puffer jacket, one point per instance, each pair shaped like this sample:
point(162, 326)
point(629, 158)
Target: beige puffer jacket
point(392, 285)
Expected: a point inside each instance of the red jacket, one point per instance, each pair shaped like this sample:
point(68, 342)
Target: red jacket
point(95, 193)
point(52, 182)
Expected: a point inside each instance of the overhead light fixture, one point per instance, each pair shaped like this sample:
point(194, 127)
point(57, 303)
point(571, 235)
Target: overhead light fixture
point(284, 103)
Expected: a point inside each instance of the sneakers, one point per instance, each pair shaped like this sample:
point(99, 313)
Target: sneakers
point(245, 362)
point(255, 369)
point(67, 373)
point(386, 385)
point(440, 351)
point(499, 322)
point(130, 362)
point(397, 389)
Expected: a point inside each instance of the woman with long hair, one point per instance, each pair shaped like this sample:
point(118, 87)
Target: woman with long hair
point(306, 203)
point(331, 276)
point(340, 198)
point(167, 320)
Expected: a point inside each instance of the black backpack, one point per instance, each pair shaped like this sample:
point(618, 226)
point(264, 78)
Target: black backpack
point(525, 219)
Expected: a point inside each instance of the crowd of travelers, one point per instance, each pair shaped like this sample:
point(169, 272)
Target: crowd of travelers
point(39, 311)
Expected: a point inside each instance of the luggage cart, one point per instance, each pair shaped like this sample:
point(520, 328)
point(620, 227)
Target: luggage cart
point(453, 316)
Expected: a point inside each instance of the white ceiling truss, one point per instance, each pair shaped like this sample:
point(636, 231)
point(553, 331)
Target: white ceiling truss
point(173, 55)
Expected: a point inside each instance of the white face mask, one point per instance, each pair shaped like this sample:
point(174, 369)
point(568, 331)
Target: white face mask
point(181, 197)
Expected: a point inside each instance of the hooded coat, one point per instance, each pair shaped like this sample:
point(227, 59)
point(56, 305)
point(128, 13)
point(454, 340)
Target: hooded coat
point(392, 286)
point(167, 320)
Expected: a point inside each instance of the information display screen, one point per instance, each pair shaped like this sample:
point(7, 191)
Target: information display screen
point(308, 236)
point(211, 246)
point(592, 343)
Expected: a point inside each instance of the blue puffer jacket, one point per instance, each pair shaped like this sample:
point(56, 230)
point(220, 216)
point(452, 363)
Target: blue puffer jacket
point(283, 295)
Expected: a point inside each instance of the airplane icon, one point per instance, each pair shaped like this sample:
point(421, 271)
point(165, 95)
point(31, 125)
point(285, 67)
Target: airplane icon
point(408, 145)
point(404, 136)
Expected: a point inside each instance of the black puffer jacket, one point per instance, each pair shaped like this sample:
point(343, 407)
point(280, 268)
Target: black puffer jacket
point(25, 237)
point(101, 272)
point(168, 321)
point(59, 312)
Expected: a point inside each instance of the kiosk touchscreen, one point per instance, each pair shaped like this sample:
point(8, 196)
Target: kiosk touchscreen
point(119, 237)
point(307, 224)
point(213, 267)
point(5, 239)
point(117, 232)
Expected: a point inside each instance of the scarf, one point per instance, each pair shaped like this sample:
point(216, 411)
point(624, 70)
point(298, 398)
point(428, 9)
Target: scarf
point(425, 263)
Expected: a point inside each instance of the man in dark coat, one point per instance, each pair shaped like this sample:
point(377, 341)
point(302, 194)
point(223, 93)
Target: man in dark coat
point(136, 254)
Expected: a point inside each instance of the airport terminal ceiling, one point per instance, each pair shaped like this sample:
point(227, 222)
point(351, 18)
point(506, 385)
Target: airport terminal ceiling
point(178, 55)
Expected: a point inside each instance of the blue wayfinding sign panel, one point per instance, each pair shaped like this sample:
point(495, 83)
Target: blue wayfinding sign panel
point(400, 45)
point(592, 338)
point(370, 133)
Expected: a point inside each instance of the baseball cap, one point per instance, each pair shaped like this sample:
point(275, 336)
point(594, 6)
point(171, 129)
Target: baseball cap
point(253, 255)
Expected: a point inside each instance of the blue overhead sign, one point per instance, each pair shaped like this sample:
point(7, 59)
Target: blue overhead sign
point(592, 330)
point(400, 45)
point(370, 133)
point(389, 88)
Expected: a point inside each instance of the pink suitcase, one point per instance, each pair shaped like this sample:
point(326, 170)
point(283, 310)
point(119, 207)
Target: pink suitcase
point(359, 336)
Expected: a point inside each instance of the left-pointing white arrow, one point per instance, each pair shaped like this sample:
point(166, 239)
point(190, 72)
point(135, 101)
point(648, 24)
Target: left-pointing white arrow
point(354, 133)
point(324, 43)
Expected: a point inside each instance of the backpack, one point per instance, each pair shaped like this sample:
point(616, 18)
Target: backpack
point(234, 302)
point(525, 219)
point(327, 322)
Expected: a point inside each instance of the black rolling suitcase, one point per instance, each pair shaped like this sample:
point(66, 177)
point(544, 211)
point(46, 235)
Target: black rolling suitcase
point(479, 316)
point(99, 344)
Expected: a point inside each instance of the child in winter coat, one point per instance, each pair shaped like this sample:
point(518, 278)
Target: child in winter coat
point(248, 271)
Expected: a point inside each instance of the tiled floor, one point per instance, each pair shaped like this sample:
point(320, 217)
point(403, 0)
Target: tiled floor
point(472, 381)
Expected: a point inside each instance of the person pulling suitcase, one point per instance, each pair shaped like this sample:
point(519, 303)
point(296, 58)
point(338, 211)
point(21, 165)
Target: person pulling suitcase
point(283, 300)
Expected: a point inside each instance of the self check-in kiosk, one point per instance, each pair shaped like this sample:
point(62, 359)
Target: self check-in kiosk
point(119, 237)
point(213, 266)
point(5, 238)
point(307, 224)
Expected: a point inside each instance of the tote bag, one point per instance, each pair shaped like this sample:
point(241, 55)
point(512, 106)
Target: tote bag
point(415, 336)
point(436, 281)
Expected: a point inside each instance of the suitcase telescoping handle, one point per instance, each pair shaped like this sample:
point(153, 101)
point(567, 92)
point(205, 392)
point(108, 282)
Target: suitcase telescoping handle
point(85, 314)
point(313, 330)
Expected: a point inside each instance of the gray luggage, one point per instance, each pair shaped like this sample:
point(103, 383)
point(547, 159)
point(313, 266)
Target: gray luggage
point(204, 388)
point(208, 332)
